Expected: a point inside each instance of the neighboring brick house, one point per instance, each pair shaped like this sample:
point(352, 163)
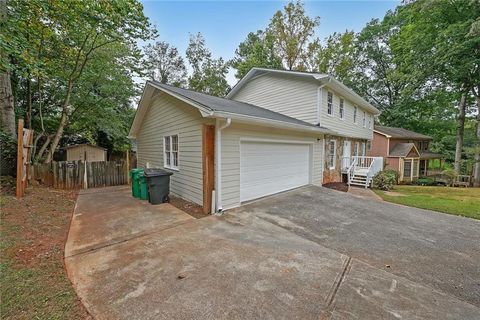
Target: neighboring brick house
point(403, 150)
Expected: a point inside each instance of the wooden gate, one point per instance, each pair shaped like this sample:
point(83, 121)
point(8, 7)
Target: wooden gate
point(71, 174)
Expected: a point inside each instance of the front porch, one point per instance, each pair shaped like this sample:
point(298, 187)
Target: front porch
point(360, 170)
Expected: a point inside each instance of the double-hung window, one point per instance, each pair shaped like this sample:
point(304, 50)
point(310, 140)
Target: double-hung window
point(364, 119)
point(330, 103)
point(369, 122)
point(355, 114)
point(170, 151)
point(342, 109)
point(332, 154)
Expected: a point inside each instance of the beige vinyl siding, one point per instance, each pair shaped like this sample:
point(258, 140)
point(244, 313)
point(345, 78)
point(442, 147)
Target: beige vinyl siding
point(290, 96)
point(345, 126)
point(231, 156)
point(168, 116)
point(91, 153)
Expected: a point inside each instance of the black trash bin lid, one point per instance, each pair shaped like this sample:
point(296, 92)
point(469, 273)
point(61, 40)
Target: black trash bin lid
point(155, 172)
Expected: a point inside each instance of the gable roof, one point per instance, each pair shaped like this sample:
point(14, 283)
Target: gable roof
point(400, 133)
point(216, 107)
point(403, 150)
point(323, 79)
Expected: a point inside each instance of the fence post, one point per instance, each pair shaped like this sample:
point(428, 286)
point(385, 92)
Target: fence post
point(19, 188)
point(85, 180)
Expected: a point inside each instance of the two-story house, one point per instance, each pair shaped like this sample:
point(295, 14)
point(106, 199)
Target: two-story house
point(276, 130)
point(404, 151)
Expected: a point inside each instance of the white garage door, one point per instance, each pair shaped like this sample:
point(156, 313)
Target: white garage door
point(267, 168)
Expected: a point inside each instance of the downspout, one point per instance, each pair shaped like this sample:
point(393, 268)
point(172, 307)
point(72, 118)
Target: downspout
point(319, 101)
point(218, 148)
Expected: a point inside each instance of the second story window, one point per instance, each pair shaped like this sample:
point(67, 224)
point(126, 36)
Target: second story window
point(369, 122)
point(355, 114)
point(364, 119)
point(422, 145)
point(342, 109)
point(330, 103)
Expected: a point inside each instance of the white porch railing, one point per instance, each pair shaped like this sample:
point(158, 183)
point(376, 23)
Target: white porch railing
point(362, 169)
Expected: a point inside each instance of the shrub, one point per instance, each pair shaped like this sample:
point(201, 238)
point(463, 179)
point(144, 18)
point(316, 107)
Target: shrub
point(395, 173)
point(385, 180)
point(8, 154)
point(449, 175)
point(424, 181)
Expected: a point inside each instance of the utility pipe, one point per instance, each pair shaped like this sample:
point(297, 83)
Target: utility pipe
point(218, 148)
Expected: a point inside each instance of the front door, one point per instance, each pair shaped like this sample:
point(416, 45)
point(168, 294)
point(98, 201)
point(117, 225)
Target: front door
point(347, 149)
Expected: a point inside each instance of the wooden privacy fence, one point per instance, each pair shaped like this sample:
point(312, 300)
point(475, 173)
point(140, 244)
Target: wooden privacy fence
point(71, 174)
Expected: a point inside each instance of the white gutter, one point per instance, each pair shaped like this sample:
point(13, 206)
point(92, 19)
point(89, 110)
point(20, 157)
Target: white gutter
point(319, 101)
point(218, 148)
point(271, 123)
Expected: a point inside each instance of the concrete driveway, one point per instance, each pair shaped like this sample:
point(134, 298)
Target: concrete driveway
point(269, 260)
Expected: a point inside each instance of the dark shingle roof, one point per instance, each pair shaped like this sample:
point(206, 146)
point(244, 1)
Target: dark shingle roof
point(231, 106)
point(401, 133)
point(401, 149)
point(430, 155)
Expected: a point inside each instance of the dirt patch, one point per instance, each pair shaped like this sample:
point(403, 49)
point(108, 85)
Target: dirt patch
point(394, 194)
point(191, 208)
point(339, 186)
point(34, 283)
point(7, 186)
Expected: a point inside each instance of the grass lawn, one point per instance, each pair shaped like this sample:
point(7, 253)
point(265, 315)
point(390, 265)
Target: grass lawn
point(33, 281)
point(457, 201)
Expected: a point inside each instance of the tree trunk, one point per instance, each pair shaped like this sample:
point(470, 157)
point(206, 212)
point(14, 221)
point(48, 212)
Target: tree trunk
point(28, 112)
point(61, 125)
point(7, 112)
point(58, 136)
point(43, 148)
point(476, 178)
point(460, 130)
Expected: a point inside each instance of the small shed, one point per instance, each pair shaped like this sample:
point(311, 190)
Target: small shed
point(86, 152)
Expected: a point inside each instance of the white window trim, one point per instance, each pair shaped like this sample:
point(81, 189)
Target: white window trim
point(341, 114)
point(364, 119)
point(171, 166)
point(356, 151)
point(334, 154)
point(355, 114)
point(370, 121)
point(330, 114)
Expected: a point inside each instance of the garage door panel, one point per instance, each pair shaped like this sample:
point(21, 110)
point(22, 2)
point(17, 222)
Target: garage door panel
point(268, 168)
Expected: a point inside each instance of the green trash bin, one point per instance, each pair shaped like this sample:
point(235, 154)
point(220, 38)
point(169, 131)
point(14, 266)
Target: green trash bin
point(134, 175)
point(142, 182)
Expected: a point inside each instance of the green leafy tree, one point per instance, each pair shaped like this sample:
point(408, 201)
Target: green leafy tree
point(293, 33)
point(209, 74)
point(73, 34)
point(165, 64)
point(256, 51)
point(338, 56)
point(437, 41)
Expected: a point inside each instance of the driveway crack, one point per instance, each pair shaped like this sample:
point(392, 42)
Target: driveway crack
point(330, 300)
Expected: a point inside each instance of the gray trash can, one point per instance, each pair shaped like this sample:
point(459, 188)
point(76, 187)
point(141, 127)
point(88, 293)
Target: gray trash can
point(158, 184)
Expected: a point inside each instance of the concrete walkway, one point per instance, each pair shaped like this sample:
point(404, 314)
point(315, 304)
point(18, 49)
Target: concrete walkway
point(365, 193)
point(130, 260)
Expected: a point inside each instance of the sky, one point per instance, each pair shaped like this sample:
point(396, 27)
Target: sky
point(225, 24)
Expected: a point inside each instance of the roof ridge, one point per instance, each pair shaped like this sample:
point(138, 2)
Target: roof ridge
point(236, 101)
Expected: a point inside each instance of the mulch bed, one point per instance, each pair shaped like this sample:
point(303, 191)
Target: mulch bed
point(191, 208)
point(339, 186)
point(34, 284)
